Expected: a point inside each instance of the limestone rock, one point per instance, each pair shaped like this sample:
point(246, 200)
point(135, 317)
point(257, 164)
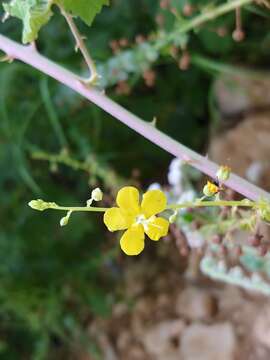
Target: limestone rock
point(205, 342)
point(196, 304)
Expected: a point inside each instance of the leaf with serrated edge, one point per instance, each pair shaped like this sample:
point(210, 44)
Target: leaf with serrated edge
point(33, 13)
point(85, 9)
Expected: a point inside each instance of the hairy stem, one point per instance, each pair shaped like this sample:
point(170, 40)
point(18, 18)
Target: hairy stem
point(33, 58)
point(81, 45)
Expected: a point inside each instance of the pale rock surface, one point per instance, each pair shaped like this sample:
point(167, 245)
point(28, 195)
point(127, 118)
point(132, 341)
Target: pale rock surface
point(262, 327)
point(208, 342)
point(195, 304)
point(245, 148)
point(161, 341)
point(238, 93)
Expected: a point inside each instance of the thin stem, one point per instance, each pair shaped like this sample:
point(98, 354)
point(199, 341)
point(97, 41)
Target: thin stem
point(79, 208)
point(238, 19)
point(196, 21)
point(81, 45)
point(196, 204)
point(212, 14)
point(33, 58)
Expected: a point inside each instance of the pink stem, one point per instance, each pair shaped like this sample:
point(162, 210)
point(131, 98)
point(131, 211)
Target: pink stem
point(31, 57)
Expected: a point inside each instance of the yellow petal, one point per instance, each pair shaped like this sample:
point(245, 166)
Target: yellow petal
point(154, 202)
point(128, 199)
point(157, 228)
point(116, 219)
point(132, 241)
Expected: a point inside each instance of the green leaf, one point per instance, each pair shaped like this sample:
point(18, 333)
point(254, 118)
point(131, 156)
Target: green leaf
point(85, 9)
point(33, 13)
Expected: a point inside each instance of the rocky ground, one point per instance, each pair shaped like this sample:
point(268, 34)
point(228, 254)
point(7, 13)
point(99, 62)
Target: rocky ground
point(174, 316)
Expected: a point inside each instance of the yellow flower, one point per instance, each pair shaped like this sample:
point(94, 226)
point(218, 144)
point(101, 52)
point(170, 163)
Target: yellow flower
point(137, 219)
point(210, 189)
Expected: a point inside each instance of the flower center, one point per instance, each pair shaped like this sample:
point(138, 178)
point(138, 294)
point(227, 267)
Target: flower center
point(141, 220)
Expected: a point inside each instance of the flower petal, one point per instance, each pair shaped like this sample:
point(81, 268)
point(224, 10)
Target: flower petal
point(116, 219)
point(132, 241)
point(128, 199)
point(157, 228)
point(154, 202)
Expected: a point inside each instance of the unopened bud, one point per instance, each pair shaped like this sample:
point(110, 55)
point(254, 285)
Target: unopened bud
point(223, 173)
point(173, 217)
point(41, 205)
point(97, 194)
point(64, 221)
point(238, 35)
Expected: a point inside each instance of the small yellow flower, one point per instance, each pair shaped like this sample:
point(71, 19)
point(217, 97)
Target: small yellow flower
point(137, 219)
point(210, 189)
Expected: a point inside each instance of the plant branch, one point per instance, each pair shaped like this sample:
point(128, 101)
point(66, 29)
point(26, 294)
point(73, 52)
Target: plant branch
point(81, 45)
point(43, 205)
point(32, 57)
point(211, 203)
point(212, 14)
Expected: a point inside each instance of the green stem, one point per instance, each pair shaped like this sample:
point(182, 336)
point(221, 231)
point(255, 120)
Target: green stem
point(195, 204)
point(212, 14)
point(200, 19)
point(79, 208)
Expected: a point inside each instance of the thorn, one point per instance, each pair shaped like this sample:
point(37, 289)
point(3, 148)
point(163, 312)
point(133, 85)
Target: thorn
point(7, 58)
point(90, 82)
point(154, 122)
point(32, 46)
point(187, 160)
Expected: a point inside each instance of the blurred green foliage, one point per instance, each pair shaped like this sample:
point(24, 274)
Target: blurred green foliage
point(53, 280)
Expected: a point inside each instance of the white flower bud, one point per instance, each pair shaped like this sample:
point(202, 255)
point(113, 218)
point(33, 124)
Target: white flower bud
point(64, 221)
point(97, 194)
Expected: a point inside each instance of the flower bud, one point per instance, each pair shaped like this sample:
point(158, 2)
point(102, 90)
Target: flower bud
point(41, 205)
point(210, 189)
point(64, 221)
point(223, 173)
point(264, 210)
point(173, 217)
point(97, 194)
